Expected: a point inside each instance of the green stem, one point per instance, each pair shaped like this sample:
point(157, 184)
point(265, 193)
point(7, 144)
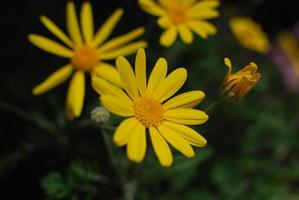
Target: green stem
point(212, 106)
point(128, 187)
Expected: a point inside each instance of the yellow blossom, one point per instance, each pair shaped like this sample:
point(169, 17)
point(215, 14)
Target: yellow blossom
point(86, 50)
point(237, 85)
point(182, 17)
point(250, 34)
point(147, 105)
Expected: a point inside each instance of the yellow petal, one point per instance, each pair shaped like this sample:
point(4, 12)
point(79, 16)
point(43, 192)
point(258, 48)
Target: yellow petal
point(75, 95)
point(117, 106)
point(168, 37)
point(108, 72)
point(184, 100)
point(122, 51)
point(202, 28)
point(106, 29)
point(124, 131)
point(161, 148)
point(136, 147)
point(171, 84)
point(151, 7)
point(172, 137)
point(53, 80)
point(53, 28)
point(128, 77)
point(50, 46)
point(158, 74)
point(205, 5)
point(186, 34)
point(103, 87)
point(203, 14)
point(140, 71)
point(87, 22)
point(187, 133)
point(121, 40)
point(72, 23)
point(186, 116)
point(165, 22)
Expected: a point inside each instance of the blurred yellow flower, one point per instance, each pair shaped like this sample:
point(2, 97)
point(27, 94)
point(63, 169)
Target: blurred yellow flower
point(147, 106)
point(237, 85)
point(86, 52)
point(182, 17)
point(250, 34)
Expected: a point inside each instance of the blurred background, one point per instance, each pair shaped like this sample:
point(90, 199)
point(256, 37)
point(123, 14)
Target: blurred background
point(252, 150)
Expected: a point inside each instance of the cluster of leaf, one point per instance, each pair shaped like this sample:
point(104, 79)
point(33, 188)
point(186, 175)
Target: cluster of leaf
point(80, 181)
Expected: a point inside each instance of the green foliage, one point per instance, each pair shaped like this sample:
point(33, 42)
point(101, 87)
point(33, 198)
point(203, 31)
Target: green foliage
point(79, 182)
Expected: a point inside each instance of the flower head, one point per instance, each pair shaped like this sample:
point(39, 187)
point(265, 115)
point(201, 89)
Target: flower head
point(237, 85)
point(147, 105)
point(250, 34)
point(286, 55)
point(86, 50)
point(182, 17)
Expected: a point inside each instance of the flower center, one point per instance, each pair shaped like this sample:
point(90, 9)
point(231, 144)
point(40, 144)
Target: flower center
point(148, 111)
point(177, 14)
point(85, 58)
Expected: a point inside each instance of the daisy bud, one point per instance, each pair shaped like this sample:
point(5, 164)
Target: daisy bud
point(100, 115)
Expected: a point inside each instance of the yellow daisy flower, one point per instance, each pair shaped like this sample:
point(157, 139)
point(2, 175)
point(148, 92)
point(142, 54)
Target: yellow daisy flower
point(87, 52)
point(237, 85)
point(147, 106)
point(182, 17)
point(250, 34)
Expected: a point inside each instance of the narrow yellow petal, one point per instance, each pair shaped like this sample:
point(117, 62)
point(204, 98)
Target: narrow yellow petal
point(128, 77)
point(108, 72)
point(50, 46)
point(202, 28)
point(185, 100)
point(172, 137)
point(117, 106)
point(168, 37)
point(158, 74)
point(72, 23)
point(53, 80)
point(140, 71)
point(106, 29)
point(124, 131)
point(121, 40)
point(171, 84)
point(53, 28)
point(103, 87)
point(165, 22)
point(87, 22)
point(151, 7)
point(122, 51)
point(204, 5)
point(75, 95)
point(187, 133)
point(186, 116)
point(161, 148)
point(136, 147)
point(186, 34)
point(203, 14)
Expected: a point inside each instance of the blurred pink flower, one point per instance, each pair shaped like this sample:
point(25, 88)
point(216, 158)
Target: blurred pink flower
point(285, 54)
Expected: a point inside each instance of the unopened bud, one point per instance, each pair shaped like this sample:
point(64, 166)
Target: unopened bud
point(100, 115)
